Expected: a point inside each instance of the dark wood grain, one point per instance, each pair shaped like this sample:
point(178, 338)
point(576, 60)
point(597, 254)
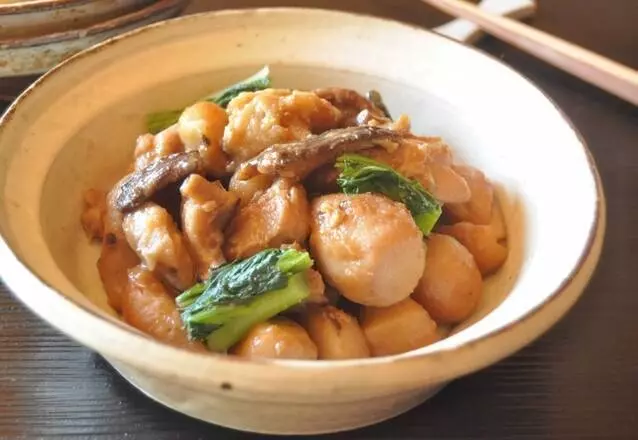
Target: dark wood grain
point(579, 381)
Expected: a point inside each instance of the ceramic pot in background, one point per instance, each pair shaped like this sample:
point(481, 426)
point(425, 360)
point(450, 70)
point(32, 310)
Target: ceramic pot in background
point(33, 18)
point(32, 55)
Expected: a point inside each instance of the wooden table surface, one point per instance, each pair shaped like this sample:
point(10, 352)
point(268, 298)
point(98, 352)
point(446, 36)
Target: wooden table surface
point(579, 381)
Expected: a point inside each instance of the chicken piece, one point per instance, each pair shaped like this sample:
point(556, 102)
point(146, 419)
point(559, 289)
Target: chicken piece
point(248, 189)
point(451, 286)
point(445, 184)
point(482, 243)
point(336, 334)
point(206, 210)
point(257, 120)
point(139, 186)
point(201, 128)
point(148, 307)
point(413, 155)
point(400, 328)
point(280, 215)
point(93, 212)
point(367, 246)
point(429, 161)
point(350, 103)
point(298, 159)
point(359, 110)
point(144, 154)
point(478, 208)
point(149, 148)
point(152, 233)
point(279, 338)
point(401, 124)
point(116, 256)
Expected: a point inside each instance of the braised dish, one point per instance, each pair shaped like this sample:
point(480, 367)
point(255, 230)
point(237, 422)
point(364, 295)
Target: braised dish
point(295, 224)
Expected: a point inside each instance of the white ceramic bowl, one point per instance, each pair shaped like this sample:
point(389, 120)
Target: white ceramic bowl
point(76, 127)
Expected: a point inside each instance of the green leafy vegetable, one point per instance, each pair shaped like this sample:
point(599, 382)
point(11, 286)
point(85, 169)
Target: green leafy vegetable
point(259, 310)
point(243, 293)
point(361, 174)
point(258, 81)
point(156, 122)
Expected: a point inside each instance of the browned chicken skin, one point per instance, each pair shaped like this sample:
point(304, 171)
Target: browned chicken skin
point(248, 189)
point(476, 209)
point(206, 210)
point(149, 148)
point(201, 128)
point(152, 233)
point(116, 256)
point(260, 119)
point(280, 215)
point(148, 307)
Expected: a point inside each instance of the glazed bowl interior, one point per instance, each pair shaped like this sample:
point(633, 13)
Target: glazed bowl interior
point(76, 129)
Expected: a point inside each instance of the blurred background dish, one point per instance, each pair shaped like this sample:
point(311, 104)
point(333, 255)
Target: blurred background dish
point(35, 54)
point(20, 19)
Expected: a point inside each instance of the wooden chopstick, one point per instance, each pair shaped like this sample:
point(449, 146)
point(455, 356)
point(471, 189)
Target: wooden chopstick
point(607, 74)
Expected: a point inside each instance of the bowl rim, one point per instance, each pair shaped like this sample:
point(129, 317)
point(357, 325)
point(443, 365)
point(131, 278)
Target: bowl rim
point(128, 19)
point(29, 6)
point(125, 332)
